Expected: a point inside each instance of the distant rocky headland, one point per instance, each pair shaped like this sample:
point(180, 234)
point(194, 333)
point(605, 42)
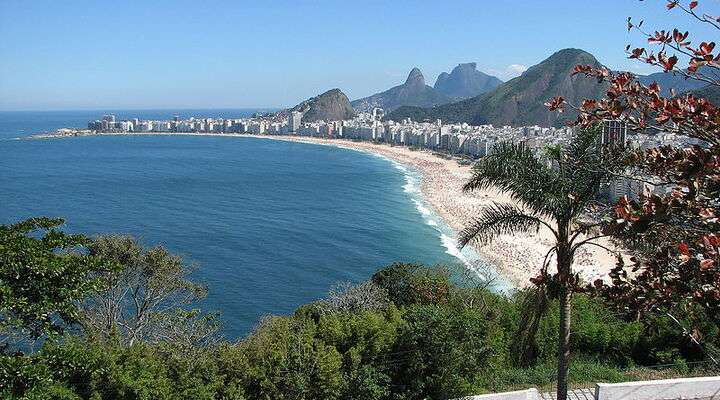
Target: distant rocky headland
point(332, 105)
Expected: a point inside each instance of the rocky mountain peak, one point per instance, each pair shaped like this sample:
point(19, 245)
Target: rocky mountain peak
point(413, 92)
point(465, 81)
point(332, 105)
point(517, 102)
point(465, 67)
point(415, 78)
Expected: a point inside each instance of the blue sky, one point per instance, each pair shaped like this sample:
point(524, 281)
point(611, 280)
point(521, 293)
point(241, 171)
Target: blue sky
point(227, 54)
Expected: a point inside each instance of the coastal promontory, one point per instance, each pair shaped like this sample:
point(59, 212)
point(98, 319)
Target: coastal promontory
point(332, 105)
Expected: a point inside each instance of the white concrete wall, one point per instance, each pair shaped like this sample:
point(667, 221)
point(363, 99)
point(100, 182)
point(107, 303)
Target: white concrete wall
point(529, 394)
point(685, 388)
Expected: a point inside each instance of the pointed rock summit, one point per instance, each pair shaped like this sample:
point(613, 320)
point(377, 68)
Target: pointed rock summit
point(415, 78)
point(414, 92)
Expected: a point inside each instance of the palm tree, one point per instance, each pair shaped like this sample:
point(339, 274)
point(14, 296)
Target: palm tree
point(551, 192)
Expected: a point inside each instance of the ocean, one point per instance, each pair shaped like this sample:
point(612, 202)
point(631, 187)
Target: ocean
point(270, 225)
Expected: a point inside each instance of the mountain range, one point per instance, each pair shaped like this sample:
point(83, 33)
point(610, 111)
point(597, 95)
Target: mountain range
point(462, 82)
point(519, 101)
point(465, 81)
point(468, 95)
point(414, 92)
point(671, 80)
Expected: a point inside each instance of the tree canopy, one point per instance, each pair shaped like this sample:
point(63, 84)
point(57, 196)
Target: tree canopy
point(44, 274)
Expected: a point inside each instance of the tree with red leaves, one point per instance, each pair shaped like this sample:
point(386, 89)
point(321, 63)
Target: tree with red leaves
point(675, 268)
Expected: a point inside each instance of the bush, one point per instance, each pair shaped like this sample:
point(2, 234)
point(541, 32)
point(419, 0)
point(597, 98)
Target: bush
point(286, 361)
point(365, 341)
point(408, 334)
point(448, 348)
point(583, 373)
point(350, 298)
point(408, 284)
point(595, 331)
point(663, 342)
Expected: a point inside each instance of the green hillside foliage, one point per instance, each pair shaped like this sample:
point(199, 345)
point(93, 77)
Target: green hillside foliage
point(408, 333)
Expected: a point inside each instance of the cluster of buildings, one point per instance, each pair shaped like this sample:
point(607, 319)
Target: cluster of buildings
point(462, 140)
point(455, 139)
point(109, 124)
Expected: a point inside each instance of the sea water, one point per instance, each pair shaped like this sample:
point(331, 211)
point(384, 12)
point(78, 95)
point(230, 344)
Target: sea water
point(270, 225)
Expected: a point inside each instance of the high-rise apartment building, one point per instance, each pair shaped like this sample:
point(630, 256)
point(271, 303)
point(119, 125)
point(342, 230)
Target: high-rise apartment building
point(294, 121)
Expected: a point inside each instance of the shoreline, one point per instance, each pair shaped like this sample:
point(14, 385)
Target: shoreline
point(514, 258)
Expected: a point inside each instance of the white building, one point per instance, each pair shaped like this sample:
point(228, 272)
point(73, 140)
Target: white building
point(294, 121)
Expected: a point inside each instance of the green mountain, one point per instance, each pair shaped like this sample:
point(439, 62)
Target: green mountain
point(520, 101)
point(466, 81)
point(414, 92)
point(332, 105)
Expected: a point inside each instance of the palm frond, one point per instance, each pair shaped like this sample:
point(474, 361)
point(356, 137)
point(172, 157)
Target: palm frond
point(587, 165)
point(498, 219)
point(515, 170)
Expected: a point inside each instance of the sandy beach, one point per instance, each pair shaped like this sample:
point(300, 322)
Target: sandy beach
point(517, 258)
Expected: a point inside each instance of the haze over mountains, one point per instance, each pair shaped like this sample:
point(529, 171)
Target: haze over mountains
point(466, 81)
point(462, 82)
point(520, 101)
point(669, 81)
point(414, 92)
point(471, 96)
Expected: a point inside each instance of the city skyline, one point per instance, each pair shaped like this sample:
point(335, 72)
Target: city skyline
point(177, 55)
point(455, 140)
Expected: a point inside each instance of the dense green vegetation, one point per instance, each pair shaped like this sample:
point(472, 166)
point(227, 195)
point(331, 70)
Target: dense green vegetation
point(408, 333)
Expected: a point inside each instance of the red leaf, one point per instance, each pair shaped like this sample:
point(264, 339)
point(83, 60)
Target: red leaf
point(556, 103)
point(706, 264)
point(670, 63)
point(706, 48)
point(637, 52)
point(588, 104)
point(584, 69)
point(654, 87)
point(693, 4)
point(684, 249)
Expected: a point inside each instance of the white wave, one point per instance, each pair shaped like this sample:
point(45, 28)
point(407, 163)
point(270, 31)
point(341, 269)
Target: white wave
point(400, 167)
point(421, 207)
point(451, 247)
point(411, 185)
point(471, 260)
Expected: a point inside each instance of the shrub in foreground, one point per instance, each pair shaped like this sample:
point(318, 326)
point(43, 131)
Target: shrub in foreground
point(407, 334)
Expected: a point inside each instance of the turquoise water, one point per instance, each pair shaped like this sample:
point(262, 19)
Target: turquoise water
point(270, 224)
